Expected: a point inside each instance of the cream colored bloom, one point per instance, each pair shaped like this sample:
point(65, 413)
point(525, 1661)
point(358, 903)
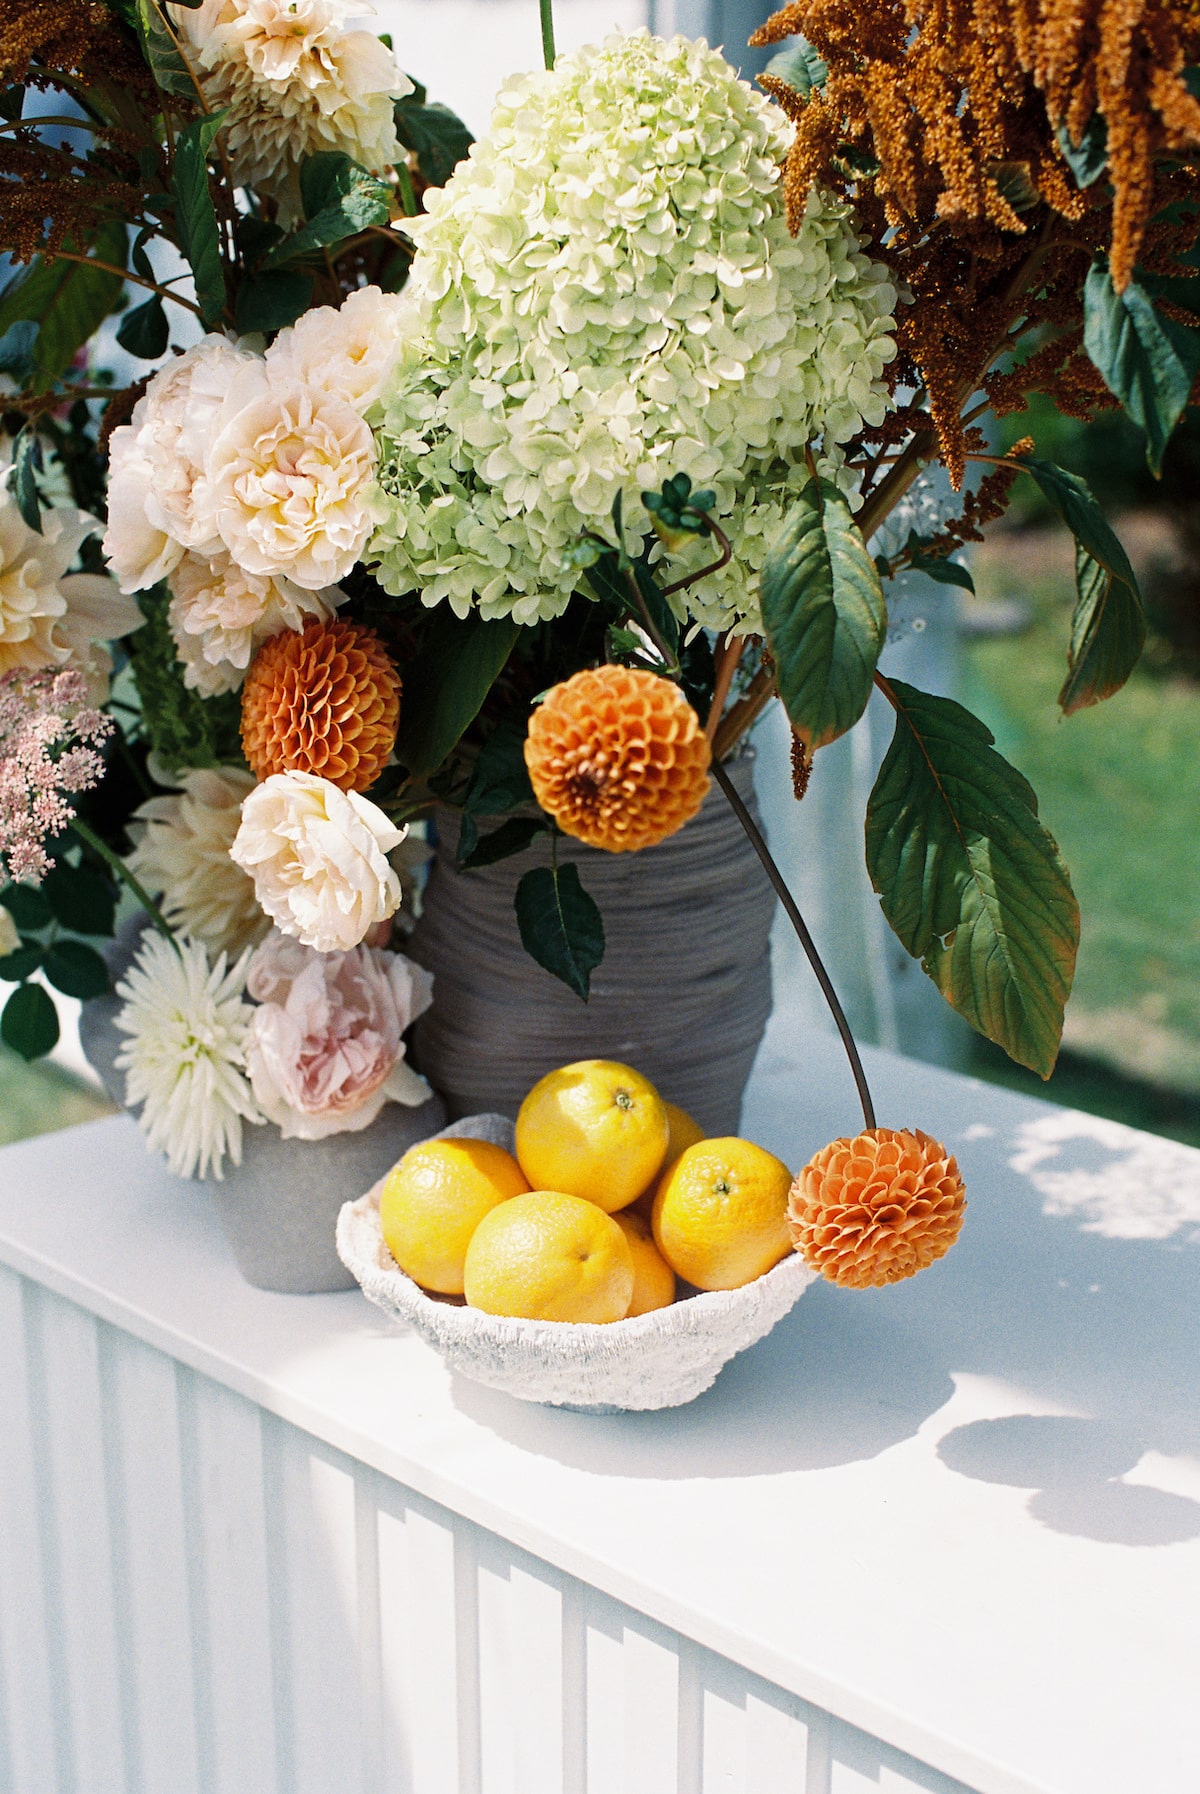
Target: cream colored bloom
point(348, 352)
point(289, 470)
point(184, 1060)
point(293, 81)
point(182, 857)
point(219, 616)
point(317, 856)
point(10, 940)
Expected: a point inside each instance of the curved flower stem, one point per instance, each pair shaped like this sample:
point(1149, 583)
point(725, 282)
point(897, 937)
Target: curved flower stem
point(114, 860)
point(547, 11)
point(728, 661)
point(806, 940)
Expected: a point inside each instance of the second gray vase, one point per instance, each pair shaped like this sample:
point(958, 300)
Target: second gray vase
point(683, 992)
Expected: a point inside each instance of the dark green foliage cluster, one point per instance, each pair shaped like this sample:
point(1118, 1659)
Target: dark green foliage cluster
point(181, 727)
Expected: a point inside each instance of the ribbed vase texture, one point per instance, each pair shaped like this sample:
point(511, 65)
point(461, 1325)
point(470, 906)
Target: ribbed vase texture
point(683, 992)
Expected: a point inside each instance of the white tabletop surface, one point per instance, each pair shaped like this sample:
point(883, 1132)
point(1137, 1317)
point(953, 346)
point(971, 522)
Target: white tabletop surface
point(962, 1513)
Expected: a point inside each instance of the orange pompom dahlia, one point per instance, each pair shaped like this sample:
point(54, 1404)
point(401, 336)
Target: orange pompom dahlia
point(876, 1208)
point(618, 758)
point(325, 700)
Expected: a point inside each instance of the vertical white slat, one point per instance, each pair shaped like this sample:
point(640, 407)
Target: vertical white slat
point(520, 1673)
point(150, 1536)
point(574, 1687)
point(861, 1764)
point(776, 1743)
point(320, 1650)
point(29, 1688)
point(83, 1546)
point(418, 1648)
point(633, 1686)
point(367, 1487)
point(724, 1759)
point(227, 1529)
point(605, 1681)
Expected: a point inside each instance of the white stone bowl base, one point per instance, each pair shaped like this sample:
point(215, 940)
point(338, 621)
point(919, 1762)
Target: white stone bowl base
point(658, 1360)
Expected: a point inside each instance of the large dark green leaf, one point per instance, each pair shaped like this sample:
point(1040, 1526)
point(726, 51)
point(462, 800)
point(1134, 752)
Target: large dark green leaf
point(513, 836)
point(27, 461)
point(1108, 632)
point(67, 300)
point(195, 215)
point(144, 331)
point(77, 970)
point(560, 925)
point(22, 962)
point(824, 614)
point(970, 880)
point(29, 1024)
point(1088, 158)
point(272, 300)
point(446, 684)
point(81, 898)
point(799, 65)
point(27, 906)
point(1148, 361)
point(437, 138)
point(161, 50)
point(340, 199)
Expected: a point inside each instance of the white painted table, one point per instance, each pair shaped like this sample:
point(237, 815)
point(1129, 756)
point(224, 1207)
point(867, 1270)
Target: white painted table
point(260, 1544)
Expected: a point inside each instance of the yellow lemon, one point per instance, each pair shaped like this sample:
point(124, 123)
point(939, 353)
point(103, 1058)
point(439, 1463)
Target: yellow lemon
point(653, 1278)
point(594, 1129)
point(435, 1198)
point(550, 1257)
point(683, 1132)
point(720, 1214)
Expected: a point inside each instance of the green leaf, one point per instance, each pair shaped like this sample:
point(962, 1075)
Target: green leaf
point(800, 66)
point(500, 779)
point(824, 614)
point(29, 1024)
point(437, 138)
point(68, 300)
point(77, 970)
point(81, 898)
point(16, 349)
point(161, 50)
point(271, 301)
point(27, 460)
point(446, 684)
point(184, 729)
point(12, 99)
point(1075, 503)
point(196, 216)
point(969, 878)
point(937, 567)
point(513, 836)
point(22, 962)
point(27, 906)
point(1108, 633)
point(560, 925)
point(1148, 361)
point(1087, 159)
point(144, 331)
point(340, 199)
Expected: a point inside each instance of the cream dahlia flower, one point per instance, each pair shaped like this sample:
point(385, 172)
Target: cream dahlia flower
point(220, 615)
point(326, 1044)
point(48, 616)
point(182, 857)
point(184, 1059)
point(317, 856)
point(289, 469)
point(348, 352)
point(293, 81)
point(606, 293)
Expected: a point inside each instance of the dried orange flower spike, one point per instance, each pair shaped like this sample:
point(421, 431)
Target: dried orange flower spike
point(325, 700)
point(876, 1208)
point(618, 758)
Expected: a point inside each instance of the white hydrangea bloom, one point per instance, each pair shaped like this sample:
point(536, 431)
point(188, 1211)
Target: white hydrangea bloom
point(294, 81)
point(604, 294)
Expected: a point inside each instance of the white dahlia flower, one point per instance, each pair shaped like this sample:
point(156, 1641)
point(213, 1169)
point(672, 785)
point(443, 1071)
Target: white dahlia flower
point(182, 857)
point(606, 293)
point(293, 81)
point(184, 1059)
point(220, 615)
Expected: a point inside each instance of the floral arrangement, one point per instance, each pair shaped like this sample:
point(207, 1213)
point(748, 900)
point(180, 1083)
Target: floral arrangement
point(521, 476)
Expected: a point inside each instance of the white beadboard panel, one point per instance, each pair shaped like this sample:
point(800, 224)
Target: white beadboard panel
point(420, 1676)
point(155, 1626)
point(35, 1757)
point(73, 1413)
point(860, 1764)
point(520, 1639)
point(633, 1686)
point(226, 1525)
point(754, 1736)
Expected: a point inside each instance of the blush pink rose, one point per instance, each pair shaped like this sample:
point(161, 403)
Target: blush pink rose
point(325, 1047)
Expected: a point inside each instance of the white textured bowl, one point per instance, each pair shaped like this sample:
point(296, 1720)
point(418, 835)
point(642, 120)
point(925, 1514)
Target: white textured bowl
point(657, 1360)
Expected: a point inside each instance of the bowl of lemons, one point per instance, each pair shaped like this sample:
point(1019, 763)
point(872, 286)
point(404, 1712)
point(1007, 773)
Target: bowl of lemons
point(601, 1254)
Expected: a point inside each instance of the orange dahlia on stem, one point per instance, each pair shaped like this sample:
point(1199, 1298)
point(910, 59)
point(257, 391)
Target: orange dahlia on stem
point(618, 758)
point(876, 1208)
point(324, 700)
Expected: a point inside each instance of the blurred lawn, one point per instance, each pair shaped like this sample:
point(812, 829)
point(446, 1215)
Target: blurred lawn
point(37, 1099)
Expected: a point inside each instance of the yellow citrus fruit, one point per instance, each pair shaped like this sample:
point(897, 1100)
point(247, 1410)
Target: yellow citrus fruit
point(720, 1214)
point(684, 1132)
point(434, 1199)
point(653, 1278)
point(550, 1257)
point(594, 1129)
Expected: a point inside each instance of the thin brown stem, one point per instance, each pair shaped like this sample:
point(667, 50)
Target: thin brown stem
point(728, 661)
point(691, 579)
point(670, 661)
point(92, 261)
point(744, 714)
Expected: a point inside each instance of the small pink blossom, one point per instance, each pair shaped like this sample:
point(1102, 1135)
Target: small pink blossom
point(49, 736)
point(325, 1047)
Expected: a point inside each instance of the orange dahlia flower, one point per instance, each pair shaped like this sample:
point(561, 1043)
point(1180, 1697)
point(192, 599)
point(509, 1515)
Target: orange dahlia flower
point(618, 758)
point(325, 700)
point(876, 1208)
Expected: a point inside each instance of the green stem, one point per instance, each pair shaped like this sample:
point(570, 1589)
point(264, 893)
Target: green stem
point(114, 860)
point(547, 10)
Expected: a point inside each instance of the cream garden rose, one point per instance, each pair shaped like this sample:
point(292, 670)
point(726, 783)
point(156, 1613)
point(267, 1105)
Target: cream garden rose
point(220, 615)
point(348, 352)
point(318, 858)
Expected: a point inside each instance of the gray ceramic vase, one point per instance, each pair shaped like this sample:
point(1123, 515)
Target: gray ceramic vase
point(683, 992)
point(279, 1207)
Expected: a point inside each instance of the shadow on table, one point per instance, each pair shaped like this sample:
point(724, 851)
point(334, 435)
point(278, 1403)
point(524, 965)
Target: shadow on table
point(1073, 1287)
